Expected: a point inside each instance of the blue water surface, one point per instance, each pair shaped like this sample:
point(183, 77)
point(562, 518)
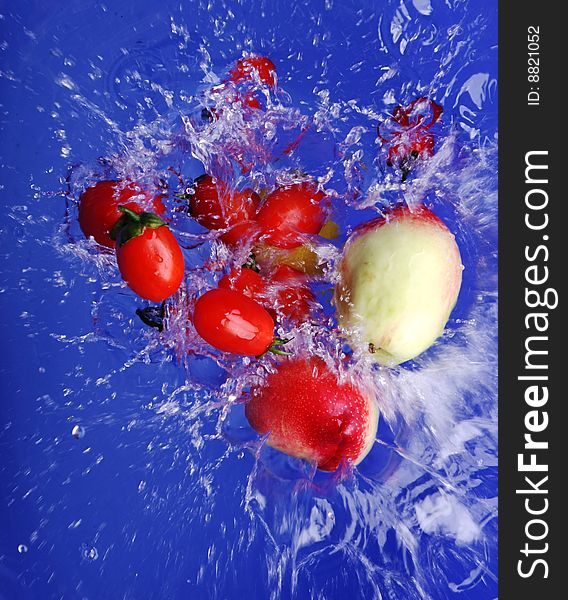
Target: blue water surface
point(165, 493)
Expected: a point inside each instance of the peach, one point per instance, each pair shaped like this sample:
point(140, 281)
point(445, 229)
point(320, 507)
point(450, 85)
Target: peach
point(399, 279)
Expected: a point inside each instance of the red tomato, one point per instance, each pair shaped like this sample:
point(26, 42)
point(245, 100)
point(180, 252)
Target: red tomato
point(231, 322)
point(246, 281)
point(290, 213)
point(151, 262)
point(294, 298)
point(423, 146)
point(215, 207)
point(406, 133)
point(421, 113)
point(250, 100)
point(247, 69)
point(98, 207)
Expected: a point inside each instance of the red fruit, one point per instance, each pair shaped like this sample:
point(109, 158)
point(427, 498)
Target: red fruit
point(215, 207)
point(423, 146)
point(309, 414)
point(98, 207)
point(247, 69)
point(293, 297)
point(406, 133)
point(420, 113)
point(290, 213)
point(249, 100)
point(231, 322)
point(245, 281)
point(149, 257)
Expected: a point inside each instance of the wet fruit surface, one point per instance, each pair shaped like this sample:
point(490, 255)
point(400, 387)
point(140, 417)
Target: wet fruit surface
point(98, 207)
point(308, 413)
point(152, 265)
point(232, 322)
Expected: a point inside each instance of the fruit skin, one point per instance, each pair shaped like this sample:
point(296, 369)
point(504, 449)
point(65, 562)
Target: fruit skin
point(290, 213)
point(400, 277)
point(309, 414)
point(215, 207)
point(152, 263)
point(98, 208)
point(246, 68)
point(244, 280)
point(231, 322)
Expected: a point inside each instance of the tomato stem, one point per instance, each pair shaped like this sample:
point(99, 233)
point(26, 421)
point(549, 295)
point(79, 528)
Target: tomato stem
point(133, 224)
point(127, 211)
point(251, 263)
point(277, 341)
point(279, 352)
point(153, 316)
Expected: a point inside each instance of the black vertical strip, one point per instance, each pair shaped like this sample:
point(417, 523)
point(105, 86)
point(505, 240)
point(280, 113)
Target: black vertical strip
point(532, 118)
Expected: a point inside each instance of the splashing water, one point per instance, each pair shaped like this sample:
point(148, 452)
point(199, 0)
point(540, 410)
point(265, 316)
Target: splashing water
point(171, 493)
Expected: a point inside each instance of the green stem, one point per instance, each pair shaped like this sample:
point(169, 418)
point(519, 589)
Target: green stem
point(127, 211)
point(251, 263)
point(279, 352)
point(132, 224)
point(277, 341)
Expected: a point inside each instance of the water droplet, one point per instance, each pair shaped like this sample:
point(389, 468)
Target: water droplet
point(89, 552)
point(78, 432)
point(22, 548)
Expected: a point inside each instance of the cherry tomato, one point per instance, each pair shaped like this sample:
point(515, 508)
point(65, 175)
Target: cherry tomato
point(420, 113)
point(231, 322)
point(149, 257)
point(250, 100)
point(247, 69)
point(98, 207)
point(244, 280)
point(290, 213)
point(293, 297)
point(215, 207)
point(406, 133)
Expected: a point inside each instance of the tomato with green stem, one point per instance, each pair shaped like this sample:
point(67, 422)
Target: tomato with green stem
point(406, 134)
point(99, 212)
point(149, 257)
